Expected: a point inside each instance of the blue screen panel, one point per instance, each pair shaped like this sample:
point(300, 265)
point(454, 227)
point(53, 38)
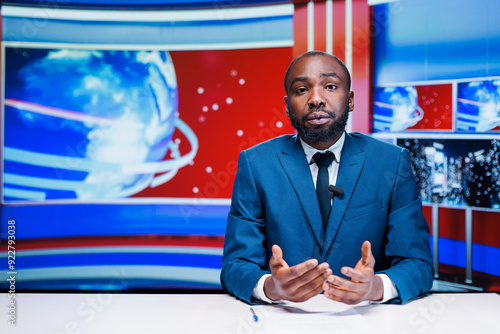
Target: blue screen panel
point(433, 40)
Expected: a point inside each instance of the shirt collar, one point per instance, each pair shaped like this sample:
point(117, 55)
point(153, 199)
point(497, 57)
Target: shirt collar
point(335, 149)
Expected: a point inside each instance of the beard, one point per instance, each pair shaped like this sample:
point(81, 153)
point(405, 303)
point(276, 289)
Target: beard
point(320, 135)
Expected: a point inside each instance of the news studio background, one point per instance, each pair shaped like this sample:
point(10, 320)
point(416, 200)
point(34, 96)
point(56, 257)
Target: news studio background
point(437, 93)
point(121, 131)
point(121, 134)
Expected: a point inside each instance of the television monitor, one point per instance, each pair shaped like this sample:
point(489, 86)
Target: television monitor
point(456, 172)
point(119, 147)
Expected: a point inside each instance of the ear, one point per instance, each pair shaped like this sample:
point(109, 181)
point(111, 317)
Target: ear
point(351, 101)
point(286, 106)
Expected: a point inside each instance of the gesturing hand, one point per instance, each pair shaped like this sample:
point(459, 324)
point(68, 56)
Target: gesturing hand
point(364, 284)
point(297, 283)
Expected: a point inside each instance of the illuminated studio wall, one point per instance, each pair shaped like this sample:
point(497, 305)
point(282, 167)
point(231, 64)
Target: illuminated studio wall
point(437, 93)
point(121, 127)
point(121, 131)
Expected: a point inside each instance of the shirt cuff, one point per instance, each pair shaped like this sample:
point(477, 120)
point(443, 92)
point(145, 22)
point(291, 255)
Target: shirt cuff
point(390, 291)
point(258, 290)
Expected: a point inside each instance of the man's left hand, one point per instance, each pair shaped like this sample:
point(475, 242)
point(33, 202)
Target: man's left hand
point(363, 285)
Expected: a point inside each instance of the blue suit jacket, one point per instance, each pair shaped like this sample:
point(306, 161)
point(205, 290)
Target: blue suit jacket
point(274, 202)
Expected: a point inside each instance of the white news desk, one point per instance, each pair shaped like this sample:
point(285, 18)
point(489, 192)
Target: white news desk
point(220, 313)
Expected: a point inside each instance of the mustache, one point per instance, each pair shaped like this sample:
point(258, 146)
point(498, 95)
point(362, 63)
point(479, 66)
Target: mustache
point(306, 116)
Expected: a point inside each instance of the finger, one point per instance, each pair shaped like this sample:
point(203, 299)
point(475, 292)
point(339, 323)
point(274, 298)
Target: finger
point(319, 273)
point(277, 258)
point(343, 290)
point(366, 254)
point(305, 290)
point(306, 270)
point(309, 281)
point(277, 253)
point(356, 275)
point(312, 290)
point(334, 283)
point(343, 296)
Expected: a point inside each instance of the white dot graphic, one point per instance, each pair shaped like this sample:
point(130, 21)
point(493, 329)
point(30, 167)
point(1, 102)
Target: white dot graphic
point(239, 133)
point(279, 124)
point(205, 108)
point(196, 190)
point(229, 100)
point(241, 81)
point(215, 106)
point(200, 90)
point(209, 169)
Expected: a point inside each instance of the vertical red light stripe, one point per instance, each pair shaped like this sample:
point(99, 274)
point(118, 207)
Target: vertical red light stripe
point(361, 78)
point(320, 26)
point(300, 29)
point(338, 33)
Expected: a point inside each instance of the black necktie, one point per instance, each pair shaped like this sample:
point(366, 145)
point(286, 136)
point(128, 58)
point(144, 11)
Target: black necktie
point(323, 160)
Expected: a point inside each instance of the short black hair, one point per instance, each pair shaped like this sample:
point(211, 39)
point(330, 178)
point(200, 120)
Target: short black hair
point(319, 53)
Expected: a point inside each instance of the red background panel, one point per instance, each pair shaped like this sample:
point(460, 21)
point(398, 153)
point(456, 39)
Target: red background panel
point(485, 227)
point(436, 102)
point(232, 100)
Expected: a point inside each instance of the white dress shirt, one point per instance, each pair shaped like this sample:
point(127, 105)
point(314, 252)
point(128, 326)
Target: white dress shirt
point(390, 291)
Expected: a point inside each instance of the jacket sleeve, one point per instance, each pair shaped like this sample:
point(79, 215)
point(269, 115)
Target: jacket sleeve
point(407, 248)
point(245, 254)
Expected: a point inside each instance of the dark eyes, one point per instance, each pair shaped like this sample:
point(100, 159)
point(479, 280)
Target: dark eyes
point(302, 90)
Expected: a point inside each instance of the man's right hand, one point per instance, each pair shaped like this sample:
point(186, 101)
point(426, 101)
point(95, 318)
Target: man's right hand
point(297, 283)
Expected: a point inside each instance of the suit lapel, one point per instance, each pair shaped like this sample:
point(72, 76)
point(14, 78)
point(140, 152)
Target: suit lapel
point(351, 164)
point(297, 169)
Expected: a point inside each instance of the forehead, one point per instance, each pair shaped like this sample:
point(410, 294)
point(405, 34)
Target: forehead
point(314, 66)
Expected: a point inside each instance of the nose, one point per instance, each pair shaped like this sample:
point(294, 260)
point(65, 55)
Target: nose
point(316, 98)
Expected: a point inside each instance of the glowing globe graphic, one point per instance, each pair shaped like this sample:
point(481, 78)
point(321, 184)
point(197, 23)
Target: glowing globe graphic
point(396, 108)
point(91, 124)
point(478, 107)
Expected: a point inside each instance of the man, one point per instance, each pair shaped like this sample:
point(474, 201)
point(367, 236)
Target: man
point(285, 241)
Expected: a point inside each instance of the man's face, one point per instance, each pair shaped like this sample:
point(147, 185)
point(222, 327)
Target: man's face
point(318, 101)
